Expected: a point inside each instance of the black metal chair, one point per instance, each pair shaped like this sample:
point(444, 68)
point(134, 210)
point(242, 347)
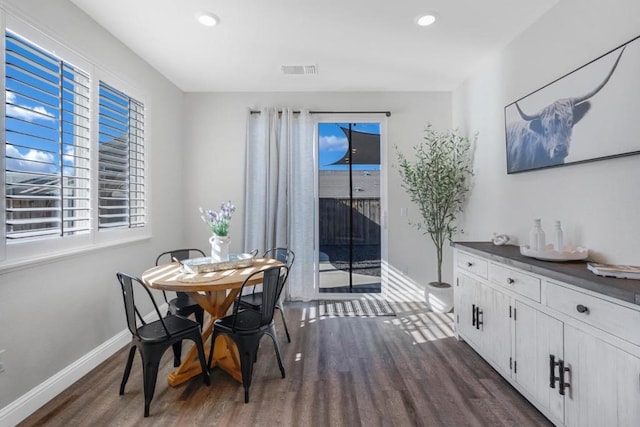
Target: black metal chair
point(182, 305)
point(253, 300)
point(152, 339)
point(247, 327)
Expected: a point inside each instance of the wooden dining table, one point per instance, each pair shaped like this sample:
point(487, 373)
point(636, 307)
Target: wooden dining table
point(215, 292)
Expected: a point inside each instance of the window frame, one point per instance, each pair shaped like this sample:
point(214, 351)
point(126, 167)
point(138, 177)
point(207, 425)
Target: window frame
point(54, 188)
point(117, 234)
point(23, 254)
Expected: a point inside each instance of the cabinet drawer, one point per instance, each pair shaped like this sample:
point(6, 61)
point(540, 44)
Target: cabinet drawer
point(616, 319)
point(475, 265)
point(521, 283)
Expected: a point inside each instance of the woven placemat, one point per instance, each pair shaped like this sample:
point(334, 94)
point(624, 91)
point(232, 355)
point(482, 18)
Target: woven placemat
point(355, 308)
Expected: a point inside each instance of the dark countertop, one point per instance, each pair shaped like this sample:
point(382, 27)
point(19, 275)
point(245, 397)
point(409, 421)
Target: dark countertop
point(573, 272)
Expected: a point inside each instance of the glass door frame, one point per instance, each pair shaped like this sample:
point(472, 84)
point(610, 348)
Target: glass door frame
point(381, 119)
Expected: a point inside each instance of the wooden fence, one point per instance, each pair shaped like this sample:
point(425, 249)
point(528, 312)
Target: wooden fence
point(334, 221)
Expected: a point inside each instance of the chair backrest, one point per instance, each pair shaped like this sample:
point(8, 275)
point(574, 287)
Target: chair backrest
point(179, 254)
point(273, 281)
point(130, 309)
point(284, 255)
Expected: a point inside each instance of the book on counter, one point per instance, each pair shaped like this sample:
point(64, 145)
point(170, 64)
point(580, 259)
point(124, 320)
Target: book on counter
point(619, 271)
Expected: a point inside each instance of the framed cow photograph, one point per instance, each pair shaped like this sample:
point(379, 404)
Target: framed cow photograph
point(592, 113)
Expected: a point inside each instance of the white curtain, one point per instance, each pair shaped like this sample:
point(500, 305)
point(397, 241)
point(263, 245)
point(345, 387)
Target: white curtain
point(279, 191)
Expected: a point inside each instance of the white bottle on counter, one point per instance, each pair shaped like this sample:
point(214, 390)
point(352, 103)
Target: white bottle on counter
point(558, 237)
point(537, 240)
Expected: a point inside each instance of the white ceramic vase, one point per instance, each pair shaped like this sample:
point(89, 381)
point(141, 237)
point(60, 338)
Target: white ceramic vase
point(219, 248)
point(439, 296)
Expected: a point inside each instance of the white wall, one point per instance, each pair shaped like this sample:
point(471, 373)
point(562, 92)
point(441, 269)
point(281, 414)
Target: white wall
point(215, 148)
point(597, 202)
point(53, 314)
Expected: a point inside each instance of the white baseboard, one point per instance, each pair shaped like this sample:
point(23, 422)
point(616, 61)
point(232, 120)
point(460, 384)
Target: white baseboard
point(37, 397)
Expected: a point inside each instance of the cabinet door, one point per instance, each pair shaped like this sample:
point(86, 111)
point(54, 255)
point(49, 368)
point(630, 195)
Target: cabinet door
point(536, 337)
point(467, 297)
point(604, 382)
point(496, 328)
point(628, 388)
point(489, 330)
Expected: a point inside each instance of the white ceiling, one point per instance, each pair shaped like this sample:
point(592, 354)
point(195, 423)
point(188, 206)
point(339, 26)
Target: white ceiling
point(358, 45)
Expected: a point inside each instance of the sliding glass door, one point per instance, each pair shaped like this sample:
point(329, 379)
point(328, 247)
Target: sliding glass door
point(349, 208)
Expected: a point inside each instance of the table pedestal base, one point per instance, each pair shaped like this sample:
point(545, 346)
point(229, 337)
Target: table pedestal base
point(225, 352)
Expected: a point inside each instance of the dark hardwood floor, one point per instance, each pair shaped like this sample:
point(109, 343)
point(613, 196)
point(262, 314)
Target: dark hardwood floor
point(385, 371)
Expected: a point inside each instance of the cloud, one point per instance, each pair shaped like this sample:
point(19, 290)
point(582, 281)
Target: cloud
point(68, 156)
point(31, 161)
point(25, 112)
point(333, 143)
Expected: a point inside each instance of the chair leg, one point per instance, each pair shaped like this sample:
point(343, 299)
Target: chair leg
point(127, 369)
point(276, 345)
point(203, 363)
point(177, 353)
point(150, 362)
point(284, 322)
point(247, 350)
point(200, 317)
point(214, 335)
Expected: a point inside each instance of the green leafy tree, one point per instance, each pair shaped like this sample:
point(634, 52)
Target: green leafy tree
point(437, 179)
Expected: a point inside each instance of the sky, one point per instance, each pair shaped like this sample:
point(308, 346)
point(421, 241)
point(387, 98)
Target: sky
point(333, 144)
point(37, 121)
point(33, 116)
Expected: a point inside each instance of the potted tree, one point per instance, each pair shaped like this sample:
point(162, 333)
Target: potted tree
point(437, 180)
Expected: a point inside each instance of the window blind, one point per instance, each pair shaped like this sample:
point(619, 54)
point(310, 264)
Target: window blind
point(121, 160)
point(47, 172)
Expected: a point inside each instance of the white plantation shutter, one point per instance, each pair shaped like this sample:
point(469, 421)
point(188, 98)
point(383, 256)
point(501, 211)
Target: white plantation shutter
point(121, 186)
point(47, 175)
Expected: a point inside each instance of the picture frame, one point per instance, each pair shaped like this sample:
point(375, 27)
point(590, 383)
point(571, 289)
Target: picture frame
point(591, 113)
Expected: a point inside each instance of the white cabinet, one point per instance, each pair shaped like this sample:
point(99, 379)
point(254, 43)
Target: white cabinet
point(604, 382)
point(482, 314)
point(537, 337)
point(468, 292)
point(497, 333)
point(515, 281)
point(574, 354)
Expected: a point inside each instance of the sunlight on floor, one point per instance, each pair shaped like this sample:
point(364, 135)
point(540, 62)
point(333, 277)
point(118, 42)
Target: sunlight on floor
point(412, 318)
point(309, 315)
point(423, 326)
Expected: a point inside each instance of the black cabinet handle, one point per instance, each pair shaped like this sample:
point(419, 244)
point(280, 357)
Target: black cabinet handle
point(469, 264)
point(552, 371)
point(510, 281)
point(582, 308)
point(473, 315)
point(562, 384)
point(478, 314)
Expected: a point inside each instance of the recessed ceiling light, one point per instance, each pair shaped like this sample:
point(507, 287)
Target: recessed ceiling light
point(426, 20)
point(207, 19)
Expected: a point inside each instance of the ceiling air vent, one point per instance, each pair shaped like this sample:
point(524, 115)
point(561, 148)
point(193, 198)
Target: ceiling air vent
point(299, 69)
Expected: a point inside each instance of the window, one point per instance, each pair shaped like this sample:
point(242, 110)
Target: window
point(47, 144)
point(74, 154)
point(120, 160)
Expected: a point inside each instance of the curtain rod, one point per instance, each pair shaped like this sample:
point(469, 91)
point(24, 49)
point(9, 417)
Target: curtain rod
point(386, 113)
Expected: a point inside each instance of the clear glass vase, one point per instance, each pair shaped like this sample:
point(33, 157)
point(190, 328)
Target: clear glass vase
point(219, 248)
